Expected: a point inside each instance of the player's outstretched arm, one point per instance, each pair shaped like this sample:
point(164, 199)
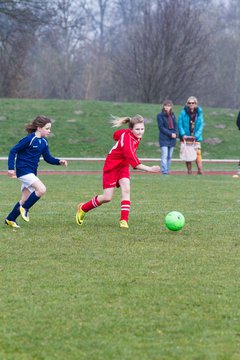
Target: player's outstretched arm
point(154, 168)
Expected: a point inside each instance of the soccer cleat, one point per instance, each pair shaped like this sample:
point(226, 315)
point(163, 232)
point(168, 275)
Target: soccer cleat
point(80, 215)
point(123, 224)
point(24, 213)
point(11, 223)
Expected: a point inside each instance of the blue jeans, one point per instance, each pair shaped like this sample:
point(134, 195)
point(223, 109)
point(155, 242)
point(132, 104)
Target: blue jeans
point(166, 158)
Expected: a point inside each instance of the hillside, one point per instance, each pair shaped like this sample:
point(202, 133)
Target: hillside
point(82, 128)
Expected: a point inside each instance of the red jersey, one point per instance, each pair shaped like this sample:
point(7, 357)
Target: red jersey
point(123, 153)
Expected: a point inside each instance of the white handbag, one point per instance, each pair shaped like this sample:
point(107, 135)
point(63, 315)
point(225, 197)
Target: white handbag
point(188, 151)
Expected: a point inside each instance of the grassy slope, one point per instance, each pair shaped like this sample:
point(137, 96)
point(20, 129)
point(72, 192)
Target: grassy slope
point(82, 129)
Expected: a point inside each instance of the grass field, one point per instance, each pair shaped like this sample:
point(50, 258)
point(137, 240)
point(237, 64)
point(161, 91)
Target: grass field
point(98, 292)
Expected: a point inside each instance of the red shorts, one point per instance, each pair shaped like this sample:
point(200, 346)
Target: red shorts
point(111, 178)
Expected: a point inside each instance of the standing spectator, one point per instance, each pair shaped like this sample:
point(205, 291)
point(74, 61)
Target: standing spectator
point(190, 124)
point(238, 125)
point(167, 126)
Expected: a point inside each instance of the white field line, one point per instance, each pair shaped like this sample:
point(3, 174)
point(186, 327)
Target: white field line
point(141, 159)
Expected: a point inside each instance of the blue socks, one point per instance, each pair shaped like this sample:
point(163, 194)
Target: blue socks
point(33, 198)
point(14, 213)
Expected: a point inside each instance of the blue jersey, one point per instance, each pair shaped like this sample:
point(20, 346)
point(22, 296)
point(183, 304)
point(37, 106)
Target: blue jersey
point(28, 152)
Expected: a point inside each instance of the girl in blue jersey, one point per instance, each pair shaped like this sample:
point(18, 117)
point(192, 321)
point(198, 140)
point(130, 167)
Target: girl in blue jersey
point(27, 153)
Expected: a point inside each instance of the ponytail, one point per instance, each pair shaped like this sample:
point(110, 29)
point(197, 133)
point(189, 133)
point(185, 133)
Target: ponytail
point(131, 121)
point(119, 121)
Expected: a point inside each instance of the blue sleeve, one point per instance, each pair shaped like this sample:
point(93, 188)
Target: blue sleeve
point(198, 133)
point(159, 121)
point(22, 144)
point(49, 158)
point(180, 124)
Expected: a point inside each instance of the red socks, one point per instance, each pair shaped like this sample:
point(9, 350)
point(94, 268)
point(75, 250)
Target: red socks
point(125, 209)
point(91, 204)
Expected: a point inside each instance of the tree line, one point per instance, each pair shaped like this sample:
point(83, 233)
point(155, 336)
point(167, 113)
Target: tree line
point(121, 50)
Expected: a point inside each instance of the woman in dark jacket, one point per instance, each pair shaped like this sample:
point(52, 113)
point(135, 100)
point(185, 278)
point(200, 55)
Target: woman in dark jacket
point(167, 126)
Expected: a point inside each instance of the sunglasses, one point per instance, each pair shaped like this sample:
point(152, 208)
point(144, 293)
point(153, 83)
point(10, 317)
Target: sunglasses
point(191, 103)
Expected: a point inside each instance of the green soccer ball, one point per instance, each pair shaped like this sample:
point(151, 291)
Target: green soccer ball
point(174, 221)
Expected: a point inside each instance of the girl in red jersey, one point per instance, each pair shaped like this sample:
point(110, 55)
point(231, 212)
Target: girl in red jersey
point(116, 170)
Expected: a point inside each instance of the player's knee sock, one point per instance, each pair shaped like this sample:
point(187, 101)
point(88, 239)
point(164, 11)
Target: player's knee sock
point(91, 204)
point(14, 213)
point(33, 198)
point(125, 209)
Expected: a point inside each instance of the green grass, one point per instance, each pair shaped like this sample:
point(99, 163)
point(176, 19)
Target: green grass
point(82, 128)
point(98, 292)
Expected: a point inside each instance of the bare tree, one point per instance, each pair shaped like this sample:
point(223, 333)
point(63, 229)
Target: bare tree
point(12, 56)
point(226, 62)
point(33, 12)
point(130, 50)
point(162, 53)
point(98, 67)
point(59, 52)
point(19, 21)
point(127, 11)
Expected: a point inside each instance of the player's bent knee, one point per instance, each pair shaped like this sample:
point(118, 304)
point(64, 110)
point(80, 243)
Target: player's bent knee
point(41, 192)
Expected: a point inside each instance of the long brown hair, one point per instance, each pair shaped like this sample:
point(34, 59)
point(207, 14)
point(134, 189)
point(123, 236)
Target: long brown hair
point(131, 121)
point(167, 102)
point(39, 121)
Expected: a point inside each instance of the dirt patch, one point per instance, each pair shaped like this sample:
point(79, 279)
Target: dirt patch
point(148, 121)
point(71, 120)
point(153, 144)
point(212, 141)
point(220, 126)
